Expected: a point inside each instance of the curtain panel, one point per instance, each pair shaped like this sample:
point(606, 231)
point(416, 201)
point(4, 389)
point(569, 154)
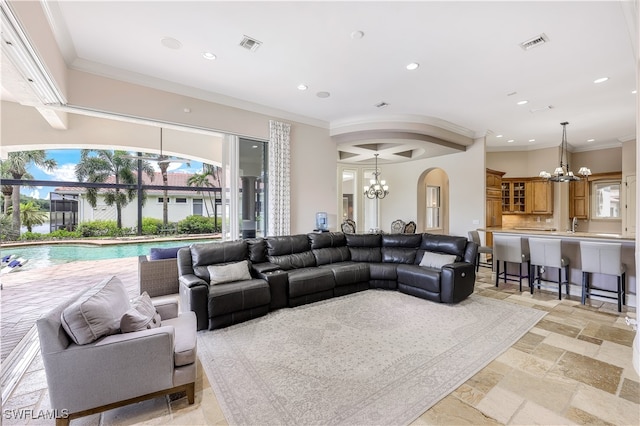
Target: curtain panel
point(279, 179)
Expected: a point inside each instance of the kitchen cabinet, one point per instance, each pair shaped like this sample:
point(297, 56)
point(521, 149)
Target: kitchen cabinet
point(579, 199)
point(514, 196)
point(540, 194)
point(493, 216)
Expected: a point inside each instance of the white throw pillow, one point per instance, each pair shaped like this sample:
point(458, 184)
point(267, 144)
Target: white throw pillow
point(436, 260)
point(141, 316)
point(219, 274)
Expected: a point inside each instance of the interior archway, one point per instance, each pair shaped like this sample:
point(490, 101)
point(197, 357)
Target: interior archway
point(433, 210)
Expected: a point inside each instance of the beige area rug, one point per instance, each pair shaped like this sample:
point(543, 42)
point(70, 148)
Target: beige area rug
point(371, 358)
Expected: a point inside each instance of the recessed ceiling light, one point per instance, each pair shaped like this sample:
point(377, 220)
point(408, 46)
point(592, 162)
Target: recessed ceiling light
point(498, 136)
point(413, 66)
point(532, 140)
point(633, 92)
point(323, 94)
point(208, 55)
point(171, 43)
point(600, 80)
point(590, 140)
point(523, 102)
point(511, 140)
point(254, 146)
point(356, 35)
point(302, 87)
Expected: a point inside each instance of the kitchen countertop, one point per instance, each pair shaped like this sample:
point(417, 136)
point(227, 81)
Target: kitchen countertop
point(552, 232)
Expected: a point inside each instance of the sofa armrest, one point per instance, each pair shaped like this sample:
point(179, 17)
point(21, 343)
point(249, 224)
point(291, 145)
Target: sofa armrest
point(196, 299)
point(125, 365)
point(264, 267)
point(457, 281)
point(191, 280)
point(166, 308)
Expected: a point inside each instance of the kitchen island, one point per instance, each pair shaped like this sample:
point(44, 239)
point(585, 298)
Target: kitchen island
point(571, 249)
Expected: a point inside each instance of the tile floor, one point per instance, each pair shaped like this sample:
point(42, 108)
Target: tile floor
point(573, 367)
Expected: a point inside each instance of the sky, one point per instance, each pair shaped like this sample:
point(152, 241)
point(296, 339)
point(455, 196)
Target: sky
point(65, 170)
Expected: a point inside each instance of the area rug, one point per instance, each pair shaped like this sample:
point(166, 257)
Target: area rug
point(371, 358)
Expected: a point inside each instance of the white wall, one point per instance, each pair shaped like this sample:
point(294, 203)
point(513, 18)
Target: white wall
point(466, 171)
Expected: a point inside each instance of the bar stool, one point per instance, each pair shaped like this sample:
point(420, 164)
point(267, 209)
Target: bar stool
point(603, 258)
point(486, 250)
point(509, 249)
point(547, 252)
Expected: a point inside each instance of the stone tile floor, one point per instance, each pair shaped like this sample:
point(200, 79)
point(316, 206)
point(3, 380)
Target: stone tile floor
point(573, 367)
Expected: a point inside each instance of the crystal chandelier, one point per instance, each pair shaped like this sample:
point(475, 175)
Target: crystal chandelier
point(377, 188)
point(564, 173)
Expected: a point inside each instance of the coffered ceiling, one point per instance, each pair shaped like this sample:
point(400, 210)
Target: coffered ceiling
point(473, 75)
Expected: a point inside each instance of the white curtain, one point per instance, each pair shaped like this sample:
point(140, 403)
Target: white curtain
point(279, 179)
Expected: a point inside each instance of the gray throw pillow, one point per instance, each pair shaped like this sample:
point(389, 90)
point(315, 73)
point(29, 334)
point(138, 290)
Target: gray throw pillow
point(141, 316)
point(96, 312)
point(229, 273)
point(436, 260)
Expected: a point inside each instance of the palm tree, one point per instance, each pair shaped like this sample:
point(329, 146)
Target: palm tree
point(202, 180)
point(163, 165)
point(7, 190)
point(17, 163)
point(31, 215)
point(97, 166)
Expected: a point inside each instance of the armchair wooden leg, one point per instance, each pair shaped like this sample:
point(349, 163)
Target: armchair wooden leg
point(191, 393)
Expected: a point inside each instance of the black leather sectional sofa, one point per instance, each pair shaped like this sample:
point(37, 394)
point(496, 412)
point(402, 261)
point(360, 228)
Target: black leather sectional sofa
point(299, 269)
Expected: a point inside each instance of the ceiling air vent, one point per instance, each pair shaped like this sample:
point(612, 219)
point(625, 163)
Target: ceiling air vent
point(534, 42)
point(250, 43)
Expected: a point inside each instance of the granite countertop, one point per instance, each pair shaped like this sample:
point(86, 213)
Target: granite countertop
point(552, 232)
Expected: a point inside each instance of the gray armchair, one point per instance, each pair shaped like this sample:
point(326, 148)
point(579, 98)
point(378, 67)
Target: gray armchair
point(116, 369)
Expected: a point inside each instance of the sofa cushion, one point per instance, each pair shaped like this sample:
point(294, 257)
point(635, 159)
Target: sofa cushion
point(427, 279)
point(142, 315)
point(398, 255)
point(346, 273)
point(203, 255)
point(327, 239)
point(436, 260)
point(444, 244)
point(327, 255)
point(278, 246)
point(309, 281)
point(185, 343)
point(158, 253)
point(229, 273)
point(294, 261)
point(96, 312)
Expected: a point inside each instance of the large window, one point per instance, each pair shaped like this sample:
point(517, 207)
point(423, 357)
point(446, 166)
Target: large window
point(606, 200)
point(433, 207)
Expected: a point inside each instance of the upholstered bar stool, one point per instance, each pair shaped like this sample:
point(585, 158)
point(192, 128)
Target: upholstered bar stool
point(486, 250)
point(509, 249)
point(547, 253)
point(603, 258)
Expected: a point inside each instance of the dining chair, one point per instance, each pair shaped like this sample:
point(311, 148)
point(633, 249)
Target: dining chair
point(509, 249)
point(486, 250)
point(605, 259)
point(547, 253)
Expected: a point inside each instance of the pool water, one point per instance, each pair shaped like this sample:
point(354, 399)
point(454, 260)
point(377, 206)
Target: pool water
point(47, 255)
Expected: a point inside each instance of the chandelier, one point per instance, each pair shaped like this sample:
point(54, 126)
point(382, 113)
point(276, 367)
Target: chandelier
point(564, 173)
point(377, 188)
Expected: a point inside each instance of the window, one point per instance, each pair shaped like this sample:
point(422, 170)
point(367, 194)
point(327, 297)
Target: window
point(606, 200)
point(197, 206)
point(433, 207)
point(181, 201)
point(161, 200)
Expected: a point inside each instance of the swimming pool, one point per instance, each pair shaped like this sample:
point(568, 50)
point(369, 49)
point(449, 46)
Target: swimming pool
point(47, 255)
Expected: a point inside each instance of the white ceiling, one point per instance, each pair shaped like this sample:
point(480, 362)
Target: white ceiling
point(472, 70)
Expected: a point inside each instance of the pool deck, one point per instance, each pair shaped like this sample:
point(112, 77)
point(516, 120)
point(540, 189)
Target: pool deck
point(28, 294)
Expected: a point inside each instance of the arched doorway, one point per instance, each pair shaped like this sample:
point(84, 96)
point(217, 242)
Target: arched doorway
point(433, 201)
